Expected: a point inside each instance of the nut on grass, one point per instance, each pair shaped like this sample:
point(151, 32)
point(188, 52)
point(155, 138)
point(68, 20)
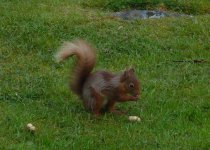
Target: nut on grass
point(31, 128)
point(134, 118)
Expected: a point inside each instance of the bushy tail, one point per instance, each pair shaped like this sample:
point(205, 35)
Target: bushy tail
point(86, 59)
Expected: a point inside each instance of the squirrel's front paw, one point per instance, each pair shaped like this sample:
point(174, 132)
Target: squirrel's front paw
point(134, 98)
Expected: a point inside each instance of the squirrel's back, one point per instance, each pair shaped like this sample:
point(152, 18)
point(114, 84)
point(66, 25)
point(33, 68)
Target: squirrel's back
point(86, 59)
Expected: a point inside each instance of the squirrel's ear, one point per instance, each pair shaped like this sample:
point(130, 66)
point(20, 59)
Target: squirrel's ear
point(131, 70)
point(124, 76)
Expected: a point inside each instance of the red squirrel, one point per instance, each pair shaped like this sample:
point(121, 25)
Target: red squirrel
point(98, 90)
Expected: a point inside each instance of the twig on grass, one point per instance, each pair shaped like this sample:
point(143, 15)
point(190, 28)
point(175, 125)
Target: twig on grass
point(191, 61)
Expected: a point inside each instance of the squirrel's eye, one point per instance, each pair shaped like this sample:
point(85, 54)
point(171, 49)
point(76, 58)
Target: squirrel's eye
point(131, 85)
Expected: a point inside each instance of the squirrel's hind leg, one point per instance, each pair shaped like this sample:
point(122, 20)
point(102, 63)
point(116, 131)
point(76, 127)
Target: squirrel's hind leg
point(97, 104)
point(110, 108)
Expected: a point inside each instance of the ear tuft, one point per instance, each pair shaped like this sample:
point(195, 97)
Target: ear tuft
point(125, 75)
point(131, 70)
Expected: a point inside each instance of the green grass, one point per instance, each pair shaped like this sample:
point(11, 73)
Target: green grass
point(175, 99)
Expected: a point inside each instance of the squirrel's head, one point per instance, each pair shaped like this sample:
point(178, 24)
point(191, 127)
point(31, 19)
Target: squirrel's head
point(130, 82)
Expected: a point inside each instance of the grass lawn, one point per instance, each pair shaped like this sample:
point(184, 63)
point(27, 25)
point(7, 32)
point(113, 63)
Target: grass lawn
point(175, 101)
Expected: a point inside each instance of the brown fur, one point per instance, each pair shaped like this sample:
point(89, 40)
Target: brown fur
point(100, 90)
point(107, 76)
point(85, 62)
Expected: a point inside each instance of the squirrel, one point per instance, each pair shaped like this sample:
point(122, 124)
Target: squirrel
point(100, 90)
